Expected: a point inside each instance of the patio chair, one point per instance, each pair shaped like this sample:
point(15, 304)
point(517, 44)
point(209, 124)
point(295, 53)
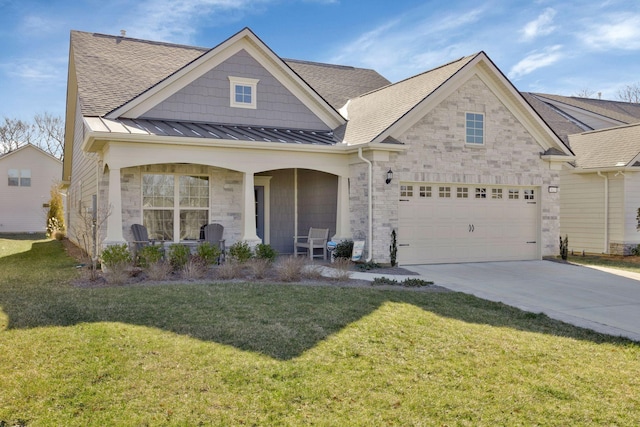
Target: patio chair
point(316, 239)
point(213, 234)
point(141, 238)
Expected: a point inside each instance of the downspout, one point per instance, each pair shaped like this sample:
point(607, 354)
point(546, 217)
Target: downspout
point(370, 246)
point(606, 211)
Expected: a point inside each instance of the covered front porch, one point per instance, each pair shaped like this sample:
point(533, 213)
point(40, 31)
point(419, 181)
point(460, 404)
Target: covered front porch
point(179, 189)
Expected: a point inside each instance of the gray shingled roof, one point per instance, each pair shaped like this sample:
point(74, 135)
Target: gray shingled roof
point(606, 148)
point(624, 112)
point(337, 83)
point(562, 125)
point(372, 113)
point(112, 70)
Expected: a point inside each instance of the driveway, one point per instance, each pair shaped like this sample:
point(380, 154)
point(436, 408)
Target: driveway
point(582, 296)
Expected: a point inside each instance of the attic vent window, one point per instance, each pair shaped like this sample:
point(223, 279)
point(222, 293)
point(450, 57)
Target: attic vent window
point(243, 92)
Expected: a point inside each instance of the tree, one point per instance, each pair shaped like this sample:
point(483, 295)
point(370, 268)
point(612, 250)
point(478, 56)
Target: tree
point(584, 93)
point(630, 93)
point(45, 131)
point(14, 133)
point(50, 134)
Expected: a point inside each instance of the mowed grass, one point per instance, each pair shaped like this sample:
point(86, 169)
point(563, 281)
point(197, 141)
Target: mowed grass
point(629, 263)
point(256, 354)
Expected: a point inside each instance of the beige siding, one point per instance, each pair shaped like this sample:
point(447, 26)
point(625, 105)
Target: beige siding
point(83, 185)
point(632, 204)
point(582, 211)
point(21, 208)
point(616, 208)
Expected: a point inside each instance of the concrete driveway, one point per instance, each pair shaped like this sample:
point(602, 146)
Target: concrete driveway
point(582, 296)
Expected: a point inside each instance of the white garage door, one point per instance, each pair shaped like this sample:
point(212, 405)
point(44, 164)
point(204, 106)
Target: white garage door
point(442, 223)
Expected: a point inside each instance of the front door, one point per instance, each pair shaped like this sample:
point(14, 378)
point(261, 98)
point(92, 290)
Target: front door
point(259, 196)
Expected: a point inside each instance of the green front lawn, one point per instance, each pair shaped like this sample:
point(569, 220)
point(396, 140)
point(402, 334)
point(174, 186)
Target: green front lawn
point(257, 354)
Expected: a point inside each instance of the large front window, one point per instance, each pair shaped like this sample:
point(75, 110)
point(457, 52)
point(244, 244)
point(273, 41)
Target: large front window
point(175, 205)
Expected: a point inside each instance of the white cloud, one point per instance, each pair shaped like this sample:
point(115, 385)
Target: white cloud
point(536, 60)
point(616, 32)
point(178, 20)
point(37, 70)
point(541, 26)
point(404, 46)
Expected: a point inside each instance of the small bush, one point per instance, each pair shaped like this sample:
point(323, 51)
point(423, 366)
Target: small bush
point(635, 251)
point(290, 269)
point(116, 255)
point(229, 270)
point(195, 268)
point(116, 259)
point(158, 270)
point(342, 269)
point(240, 251)
point(260, 267)
point(407, 283)
point(344, 249)
point(366, 266)
point(264, 251)
point(148, 255)
point(55, 215)
point(564, 247)
point(178, 256)
point(416, 283)
point(312, 271)
point(380, 281)
point(209, 253)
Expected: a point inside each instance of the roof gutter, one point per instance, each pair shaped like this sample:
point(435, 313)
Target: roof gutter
point(370, 187)
point(606, 212)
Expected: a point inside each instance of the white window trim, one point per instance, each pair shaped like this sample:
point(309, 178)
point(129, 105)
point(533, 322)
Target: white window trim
point(176, 201)
point(484, 130)
point(243, 81)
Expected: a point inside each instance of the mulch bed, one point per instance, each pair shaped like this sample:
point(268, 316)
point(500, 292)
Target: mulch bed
point(139, 278)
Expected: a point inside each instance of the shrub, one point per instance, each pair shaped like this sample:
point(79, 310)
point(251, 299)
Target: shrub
point(195, 268)
point(179, 255)
point(148, 255)
point(393, 248)
point(158, 270)
point(240, 251)
point(366, 266)
point(344, 249)
point(290, 269)
point(55, 215)
point(116, 255)
point(635, 251)
point(564, 247)
point(342, 268)
point(264, 251)
point(408, 283)
point(116, 258)
point(260, 267)
point(229, 270)
point(209, 253)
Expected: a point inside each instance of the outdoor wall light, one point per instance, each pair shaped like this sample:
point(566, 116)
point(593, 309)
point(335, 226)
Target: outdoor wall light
point(553, 189)
point(389, 176)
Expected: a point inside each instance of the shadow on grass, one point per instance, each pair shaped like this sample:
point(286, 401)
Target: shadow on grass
point(281, 321)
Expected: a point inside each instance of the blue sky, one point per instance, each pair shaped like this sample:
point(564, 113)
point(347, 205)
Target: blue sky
point(562, 47)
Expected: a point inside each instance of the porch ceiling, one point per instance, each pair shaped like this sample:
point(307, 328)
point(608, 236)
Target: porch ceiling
point(211, 131)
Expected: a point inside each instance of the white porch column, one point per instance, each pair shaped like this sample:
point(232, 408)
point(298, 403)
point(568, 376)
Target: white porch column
point(343, 221)
point(114, 220)
point(249, 233)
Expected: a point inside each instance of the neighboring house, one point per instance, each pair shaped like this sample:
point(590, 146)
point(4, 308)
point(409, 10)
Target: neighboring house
point(25, 191)
point(600, 192)
point(174, 137)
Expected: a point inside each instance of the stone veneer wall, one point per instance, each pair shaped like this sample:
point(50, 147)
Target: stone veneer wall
point(225, 198)
point(437, 153)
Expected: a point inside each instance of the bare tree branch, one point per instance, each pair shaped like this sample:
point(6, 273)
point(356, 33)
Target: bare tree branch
point(630, 93)
point(45, 131)
point(14, 133)
point(50, 133)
